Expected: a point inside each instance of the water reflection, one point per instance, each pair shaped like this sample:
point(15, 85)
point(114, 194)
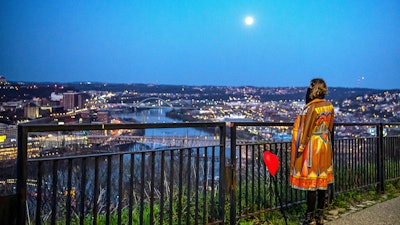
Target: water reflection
point(159, 116)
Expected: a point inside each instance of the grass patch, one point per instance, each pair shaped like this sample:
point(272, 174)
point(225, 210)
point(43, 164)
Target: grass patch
point(343, 201)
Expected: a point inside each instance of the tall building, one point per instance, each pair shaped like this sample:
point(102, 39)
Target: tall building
point(31, 111)
point(73, 100)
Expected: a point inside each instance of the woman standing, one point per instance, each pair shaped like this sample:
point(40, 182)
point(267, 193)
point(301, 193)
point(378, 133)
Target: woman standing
point(311, 157)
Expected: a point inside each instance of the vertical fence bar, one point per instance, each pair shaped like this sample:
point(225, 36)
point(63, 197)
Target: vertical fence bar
point(179, 211)
point(39, 194)
point(388, 157)
point(69, 189)
point(347, 165)
point(394, 159)
point(120, 195)
point(371, 160)
point(353, 164)
point(83, 192)
point(279, 152)
point(162, 178)
point(392, 147)
point(54, 193)
point(259, 161)
point(337, 163)
point(342, 155)
point(212, 183)
point(240, 199)
point(205, 186)
point(108, 194)
point(152, 186)
point(332, 187)
point(96, 189)
point(171, 192)
point(364, 164)
point(132, 174)
point(264, 171)
point(252, 203)
point(222, 166)
point(347, 160)
point(188, 188)
point(357, 166)
point(270, 181)
point(287, 170)
point(22, 160)
point(246, 184)
point(396, 155)
point(380, 159)
point(196, 187)
point(232, 191)
point(142, 186)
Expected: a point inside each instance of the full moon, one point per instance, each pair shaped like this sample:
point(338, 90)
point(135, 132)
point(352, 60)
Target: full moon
point(249, 20)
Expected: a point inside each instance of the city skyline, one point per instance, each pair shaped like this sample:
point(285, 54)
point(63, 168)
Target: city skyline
point(349, 44)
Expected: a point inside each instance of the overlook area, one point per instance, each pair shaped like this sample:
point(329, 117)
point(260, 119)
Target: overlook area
point(65, 147)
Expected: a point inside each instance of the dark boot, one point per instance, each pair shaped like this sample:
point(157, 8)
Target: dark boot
point(309, 219)
point(319, 217)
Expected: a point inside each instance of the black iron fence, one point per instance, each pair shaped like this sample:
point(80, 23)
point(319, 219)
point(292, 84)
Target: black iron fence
point(114, 176)
point(365, 155)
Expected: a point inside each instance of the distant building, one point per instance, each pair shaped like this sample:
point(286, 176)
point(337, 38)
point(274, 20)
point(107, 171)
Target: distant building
point(102, 116)
point(13, 105)
point(73, 100)
point(31, 111)
point(10, 131)
point(3, 80)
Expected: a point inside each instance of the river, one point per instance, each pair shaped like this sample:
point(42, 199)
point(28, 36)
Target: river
point(159, 116)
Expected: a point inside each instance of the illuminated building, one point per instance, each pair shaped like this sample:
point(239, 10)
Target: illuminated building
point(31, 111)
point(73, 100)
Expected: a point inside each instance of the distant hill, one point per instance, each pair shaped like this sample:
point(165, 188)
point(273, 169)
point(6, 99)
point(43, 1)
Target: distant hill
point(340, 94)
point(28, 90)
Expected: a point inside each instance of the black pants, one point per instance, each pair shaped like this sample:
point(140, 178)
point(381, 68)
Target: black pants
point(312, 200)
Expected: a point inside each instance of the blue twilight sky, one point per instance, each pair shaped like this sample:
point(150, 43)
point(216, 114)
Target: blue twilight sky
point(203, 42)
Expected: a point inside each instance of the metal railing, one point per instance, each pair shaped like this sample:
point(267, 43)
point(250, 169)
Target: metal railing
point(216, 183)
point(135, 185)
point(365, 155)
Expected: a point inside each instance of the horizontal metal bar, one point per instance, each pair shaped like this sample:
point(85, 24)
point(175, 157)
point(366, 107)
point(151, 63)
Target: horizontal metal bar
point(76, 127)
point(115, 153)
point(249, 124)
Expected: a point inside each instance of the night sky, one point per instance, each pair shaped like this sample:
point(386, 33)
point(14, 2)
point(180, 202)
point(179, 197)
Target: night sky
point(202, 42)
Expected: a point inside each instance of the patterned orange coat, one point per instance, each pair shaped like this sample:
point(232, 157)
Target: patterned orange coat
point(311, 156)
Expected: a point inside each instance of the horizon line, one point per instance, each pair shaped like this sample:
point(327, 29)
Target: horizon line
point(184, 85)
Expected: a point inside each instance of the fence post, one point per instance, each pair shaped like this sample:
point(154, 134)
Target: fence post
point(380, 159)
point(222, 174)
point(232, 188)
point(22, 159)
